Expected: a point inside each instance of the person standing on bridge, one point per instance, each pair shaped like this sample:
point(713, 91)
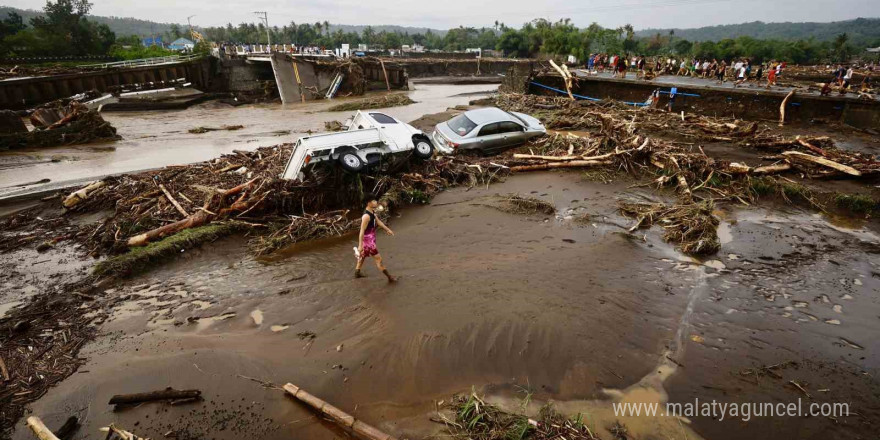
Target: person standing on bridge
point(367, 241)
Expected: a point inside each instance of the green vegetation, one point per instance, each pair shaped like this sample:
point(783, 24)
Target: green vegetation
point(857, 203)
point(477, 420)
point(62, 30)
point(142, 258)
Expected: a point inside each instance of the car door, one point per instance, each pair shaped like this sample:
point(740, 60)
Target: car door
point(512, 134)
point(489, 137)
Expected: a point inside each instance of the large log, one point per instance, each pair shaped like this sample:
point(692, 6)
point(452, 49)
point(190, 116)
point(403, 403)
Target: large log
point(822, 161)
point(337, 415)
point(551, 165)
point(166, 394)
point(200, 218)
point(39, 429)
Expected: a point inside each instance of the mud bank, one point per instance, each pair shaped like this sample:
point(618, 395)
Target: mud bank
point(568, 310)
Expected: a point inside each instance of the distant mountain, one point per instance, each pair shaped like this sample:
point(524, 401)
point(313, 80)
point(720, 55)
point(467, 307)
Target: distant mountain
point(121, 26)
point(861, 31)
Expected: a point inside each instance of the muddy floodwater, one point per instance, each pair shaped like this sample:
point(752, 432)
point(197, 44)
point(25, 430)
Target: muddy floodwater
point(158, 138)
point(565, 308)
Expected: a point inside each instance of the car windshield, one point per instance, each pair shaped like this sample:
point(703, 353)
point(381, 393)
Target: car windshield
point(519, 118)
point(461, 125)
point(382, 118)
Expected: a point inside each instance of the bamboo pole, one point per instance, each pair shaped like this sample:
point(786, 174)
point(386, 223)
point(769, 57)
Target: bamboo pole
point(566, 78)
point(337, 415)
point(39, 429)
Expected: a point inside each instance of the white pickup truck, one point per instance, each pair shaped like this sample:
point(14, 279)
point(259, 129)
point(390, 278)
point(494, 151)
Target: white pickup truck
point(368, 137)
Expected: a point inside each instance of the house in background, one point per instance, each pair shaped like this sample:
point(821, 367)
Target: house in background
point(181, 44)
point(152, 41)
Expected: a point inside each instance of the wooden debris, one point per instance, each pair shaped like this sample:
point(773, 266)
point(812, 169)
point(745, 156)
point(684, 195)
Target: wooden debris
point(569, 164)
point(39, 429)
point(782, 107)
point(824, 162)
point(173, 201)
point(82, 194)
point(166, 394)
point(335, 414)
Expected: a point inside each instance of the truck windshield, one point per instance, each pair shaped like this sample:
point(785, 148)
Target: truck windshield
point(461, 125)
point(382, 118)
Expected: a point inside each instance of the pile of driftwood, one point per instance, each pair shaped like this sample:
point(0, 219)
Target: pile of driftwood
point(56, 125)
point(643, 142)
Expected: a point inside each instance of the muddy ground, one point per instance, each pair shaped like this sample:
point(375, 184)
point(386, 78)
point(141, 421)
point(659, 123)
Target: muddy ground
point(567, 308)
point(503, 303)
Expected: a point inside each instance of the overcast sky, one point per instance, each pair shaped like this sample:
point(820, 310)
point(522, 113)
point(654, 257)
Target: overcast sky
point(452, 13)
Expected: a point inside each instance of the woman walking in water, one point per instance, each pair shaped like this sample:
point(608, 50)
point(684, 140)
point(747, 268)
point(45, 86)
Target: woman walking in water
point(367, 241)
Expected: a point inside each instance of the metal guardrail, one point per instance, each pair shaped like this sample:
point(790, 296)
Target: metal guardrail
point(144, 61)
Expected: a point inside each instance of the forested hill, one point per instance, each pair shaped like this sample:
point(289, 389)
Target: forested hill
point(121, 26)
point(861, 31)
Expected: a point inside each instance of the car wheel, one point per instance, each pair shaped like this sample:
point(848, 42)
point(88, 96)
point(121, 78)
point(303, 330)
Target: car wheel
point(423, 148)
point(349, 161)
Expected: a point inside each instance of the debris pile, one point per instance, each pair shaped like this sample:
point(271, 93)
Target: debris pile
point(382, 101)
point(56, 125)
point(618, 137)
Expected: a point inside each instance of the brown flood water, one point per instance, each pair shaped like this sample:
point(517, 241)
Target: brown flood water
point(579, 314)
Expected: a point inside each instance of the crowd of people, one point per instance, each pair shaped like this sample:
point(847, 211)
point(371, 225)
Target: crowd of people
point(739, 71)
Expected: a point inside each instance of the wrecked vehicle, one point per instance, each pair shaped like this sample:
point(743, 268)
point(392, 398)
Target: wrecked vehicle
point(486, 130)
point(369, 137)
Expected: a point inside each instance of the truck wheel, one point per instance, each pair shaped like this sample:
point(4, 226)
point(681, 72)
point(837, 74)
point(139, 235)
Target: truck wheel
point(349, 161)
point(423, 148)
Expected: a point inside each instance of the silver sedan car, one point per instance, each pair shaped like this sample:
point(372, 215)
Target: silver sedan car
point(486, 130)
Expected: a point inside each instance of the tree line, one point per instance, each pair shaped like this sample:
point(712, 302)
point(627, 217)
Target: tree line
point(64, 29)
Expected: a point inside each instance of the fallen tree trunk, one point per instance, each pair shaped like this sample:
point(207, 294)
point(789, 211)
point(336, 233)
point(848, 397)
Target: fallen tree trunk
point(166, 394)
point(337, 415)
point(198, 219)
point(39, 429)
point(571, 164)
point(822, 161)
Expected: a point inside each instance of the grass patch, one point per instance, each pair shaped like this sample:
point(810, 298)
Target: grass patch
point(142, 258)
point(517, 204)
point(384, 101)
point(857, 203)
point(476, 420)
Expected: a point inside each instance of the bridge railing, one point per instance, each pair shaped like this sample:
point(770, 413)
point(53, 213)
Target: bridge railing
point(144, 61)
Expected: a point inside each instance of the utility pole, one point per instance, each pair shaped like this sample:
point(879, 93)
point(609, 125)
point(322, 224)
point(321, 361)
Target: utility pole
point(189, 22)
point(264, 16)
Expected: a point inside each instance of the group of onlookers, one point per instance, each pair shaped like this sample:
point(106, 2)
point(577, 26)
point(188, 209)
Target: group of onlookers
point(741, 70)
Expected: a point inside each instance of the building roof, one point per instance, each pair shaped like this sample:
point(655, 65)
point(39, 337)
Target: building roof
point(181, 42)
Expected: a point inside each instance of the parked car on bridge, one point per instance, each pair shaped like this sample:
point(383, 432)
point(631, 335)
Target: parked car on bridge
point(486, 131)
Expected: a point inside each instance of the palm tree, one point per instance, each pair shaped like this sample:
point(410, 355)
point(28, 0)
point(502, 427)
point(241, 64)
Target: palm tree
point(327, 27)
